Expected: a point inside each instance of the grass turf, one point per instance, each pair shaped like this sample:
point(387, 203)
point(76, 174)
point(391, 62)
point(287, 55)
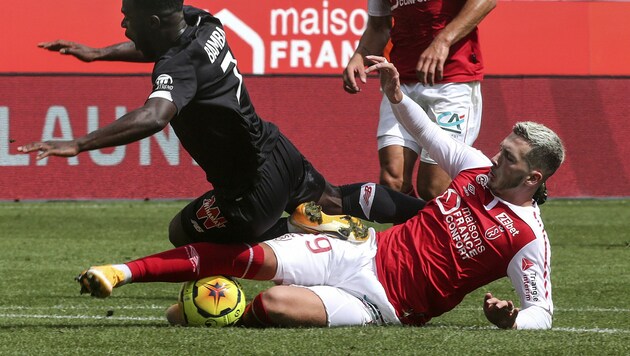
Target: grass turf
point(44, 245)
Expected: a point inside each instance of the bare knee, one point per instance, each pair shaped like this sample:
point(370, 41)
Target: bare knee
point(292, 306)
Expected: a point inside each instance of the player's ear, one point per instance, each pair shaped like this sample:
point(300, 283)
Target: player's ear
point(155, 22)
point(535, 178)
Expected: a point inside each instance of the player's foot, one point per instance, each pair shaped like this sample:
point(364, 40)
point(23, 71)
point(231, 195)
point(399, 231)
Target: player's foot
point(100, 280)
point(310, 218)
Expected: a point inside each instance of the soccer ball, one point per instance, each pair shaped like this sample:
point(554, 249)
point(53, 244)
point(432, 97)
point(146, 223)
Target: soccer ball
point(212, 301)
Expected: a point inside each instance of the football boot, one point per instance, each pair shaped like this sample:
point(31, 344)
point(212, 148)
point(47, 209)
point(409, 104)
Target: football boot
point(310, 218)
point(100, 280)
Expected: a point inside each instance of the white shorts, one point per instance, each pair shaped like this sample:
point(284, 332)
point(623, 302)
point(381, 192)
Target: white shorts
point(341, 273)
point(456, 107)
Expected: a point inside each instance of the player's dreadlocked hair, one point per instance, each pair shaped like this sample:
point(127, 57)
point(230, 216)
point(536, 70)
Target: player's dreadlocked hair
point(158, 7)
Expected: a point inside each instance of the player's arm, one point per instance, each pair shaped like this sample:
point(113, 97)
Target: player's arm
point(430, 65)
point(134, 126)
point(373, 41)
point(530, 276)
point(452, 155)
point(124, 52)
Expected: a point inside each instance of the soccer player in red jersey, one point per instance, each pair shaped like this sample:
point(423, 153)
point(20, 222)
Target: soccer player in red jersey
point(435, 45)
point(485, 226)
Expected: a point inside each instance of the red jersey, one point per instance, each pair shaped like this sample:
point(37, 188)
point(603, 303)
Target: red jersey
point(462, 240)
point(416, 24)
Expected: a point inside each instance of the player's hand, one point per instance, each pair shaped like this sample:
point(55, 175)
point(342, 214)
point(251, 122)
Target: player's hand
point(390, 79)
point(354, 69)
point(81, 52)
point(500, 312)
point(51, 148)
point(430, 67)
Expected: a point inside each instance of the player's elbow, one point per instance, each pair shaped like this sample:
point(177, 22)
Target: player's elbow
point(534, 318)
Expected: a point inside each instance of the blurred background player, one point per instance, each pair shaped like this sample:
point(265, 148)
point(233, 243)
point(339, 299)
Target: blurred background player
point(435, 45)
point(485, 227)
point(256, 172)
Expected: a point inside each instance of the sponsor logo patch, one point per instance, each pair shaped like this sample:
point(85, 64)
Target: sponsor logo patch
point(210, 215)
point(526, 264)
point(164, 82)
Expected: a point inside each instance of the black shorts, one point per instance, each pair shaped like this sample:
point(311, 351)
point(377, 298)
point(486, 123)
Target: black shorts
point(286, 179)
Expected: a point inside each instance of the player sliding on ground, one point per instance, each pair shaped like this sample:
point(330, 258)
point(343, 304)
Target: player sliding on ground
point(484, 227)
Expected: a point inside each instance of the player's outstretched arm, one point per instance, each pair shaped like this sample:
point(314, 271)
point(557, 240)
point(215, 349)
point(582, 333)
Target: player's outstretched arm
point(134, 126)
point(500, 312)
point(390, 79)
point(124, 52)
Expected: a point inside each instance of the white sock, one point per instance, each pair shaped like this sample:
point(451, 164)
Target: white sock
point(126, 271)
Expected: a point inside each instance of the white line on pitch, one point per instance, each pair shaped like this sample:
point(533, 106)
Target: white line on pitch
point(586, 309)
point(160, 307)
point(84, 307)
point(563, 329)
point(136, 318)
point(40, 316)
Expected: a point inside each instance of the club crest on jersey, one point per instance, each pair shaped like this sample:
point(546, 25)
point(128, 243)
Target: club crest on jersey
point(493, 232)
point(164, 82)
point(210, 215)
point(482, 179)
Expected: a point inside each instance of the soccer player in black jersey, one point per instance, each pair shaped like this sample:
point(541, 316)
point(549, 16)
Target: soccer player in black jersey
point(256, 172)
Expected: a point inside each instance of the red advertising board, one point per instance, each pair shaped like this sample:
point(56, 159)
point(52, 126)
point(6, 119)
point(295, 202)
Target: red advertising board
point(319, 36)
point(336, 131)
point(47, 95)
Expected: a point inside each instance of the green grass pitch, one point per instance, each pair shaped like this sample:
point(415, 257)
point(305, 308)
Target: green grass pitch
point(44, 245)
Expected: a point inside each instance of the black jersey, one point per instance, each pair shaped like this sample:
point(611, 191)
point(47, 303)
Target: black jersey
point(216, 121)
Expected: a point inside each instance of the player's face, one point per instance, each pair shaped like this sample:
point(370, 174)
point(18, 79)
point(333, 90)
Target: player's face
point(510, 168)
point(137, 27)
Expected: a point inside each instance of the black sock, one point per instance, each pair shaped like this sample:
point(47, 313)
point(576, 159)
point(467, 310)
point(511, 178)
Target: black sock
point(378, 203)
point(279, 229)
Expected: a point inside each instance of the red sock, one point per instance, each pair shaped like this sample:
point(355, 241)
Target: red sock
point(198, 260)
point(256, 314)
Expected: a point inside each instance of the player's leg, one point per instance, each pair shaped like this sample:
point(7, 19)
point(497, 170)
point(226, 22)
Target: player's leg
point(366, 201)
point(186, 263)
point(396, 151)
point(215, 217)
point(315, 306)
point(397, 165)
point(176, 233)
point(431, 180)
point(287, 306)
point(340, 273)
